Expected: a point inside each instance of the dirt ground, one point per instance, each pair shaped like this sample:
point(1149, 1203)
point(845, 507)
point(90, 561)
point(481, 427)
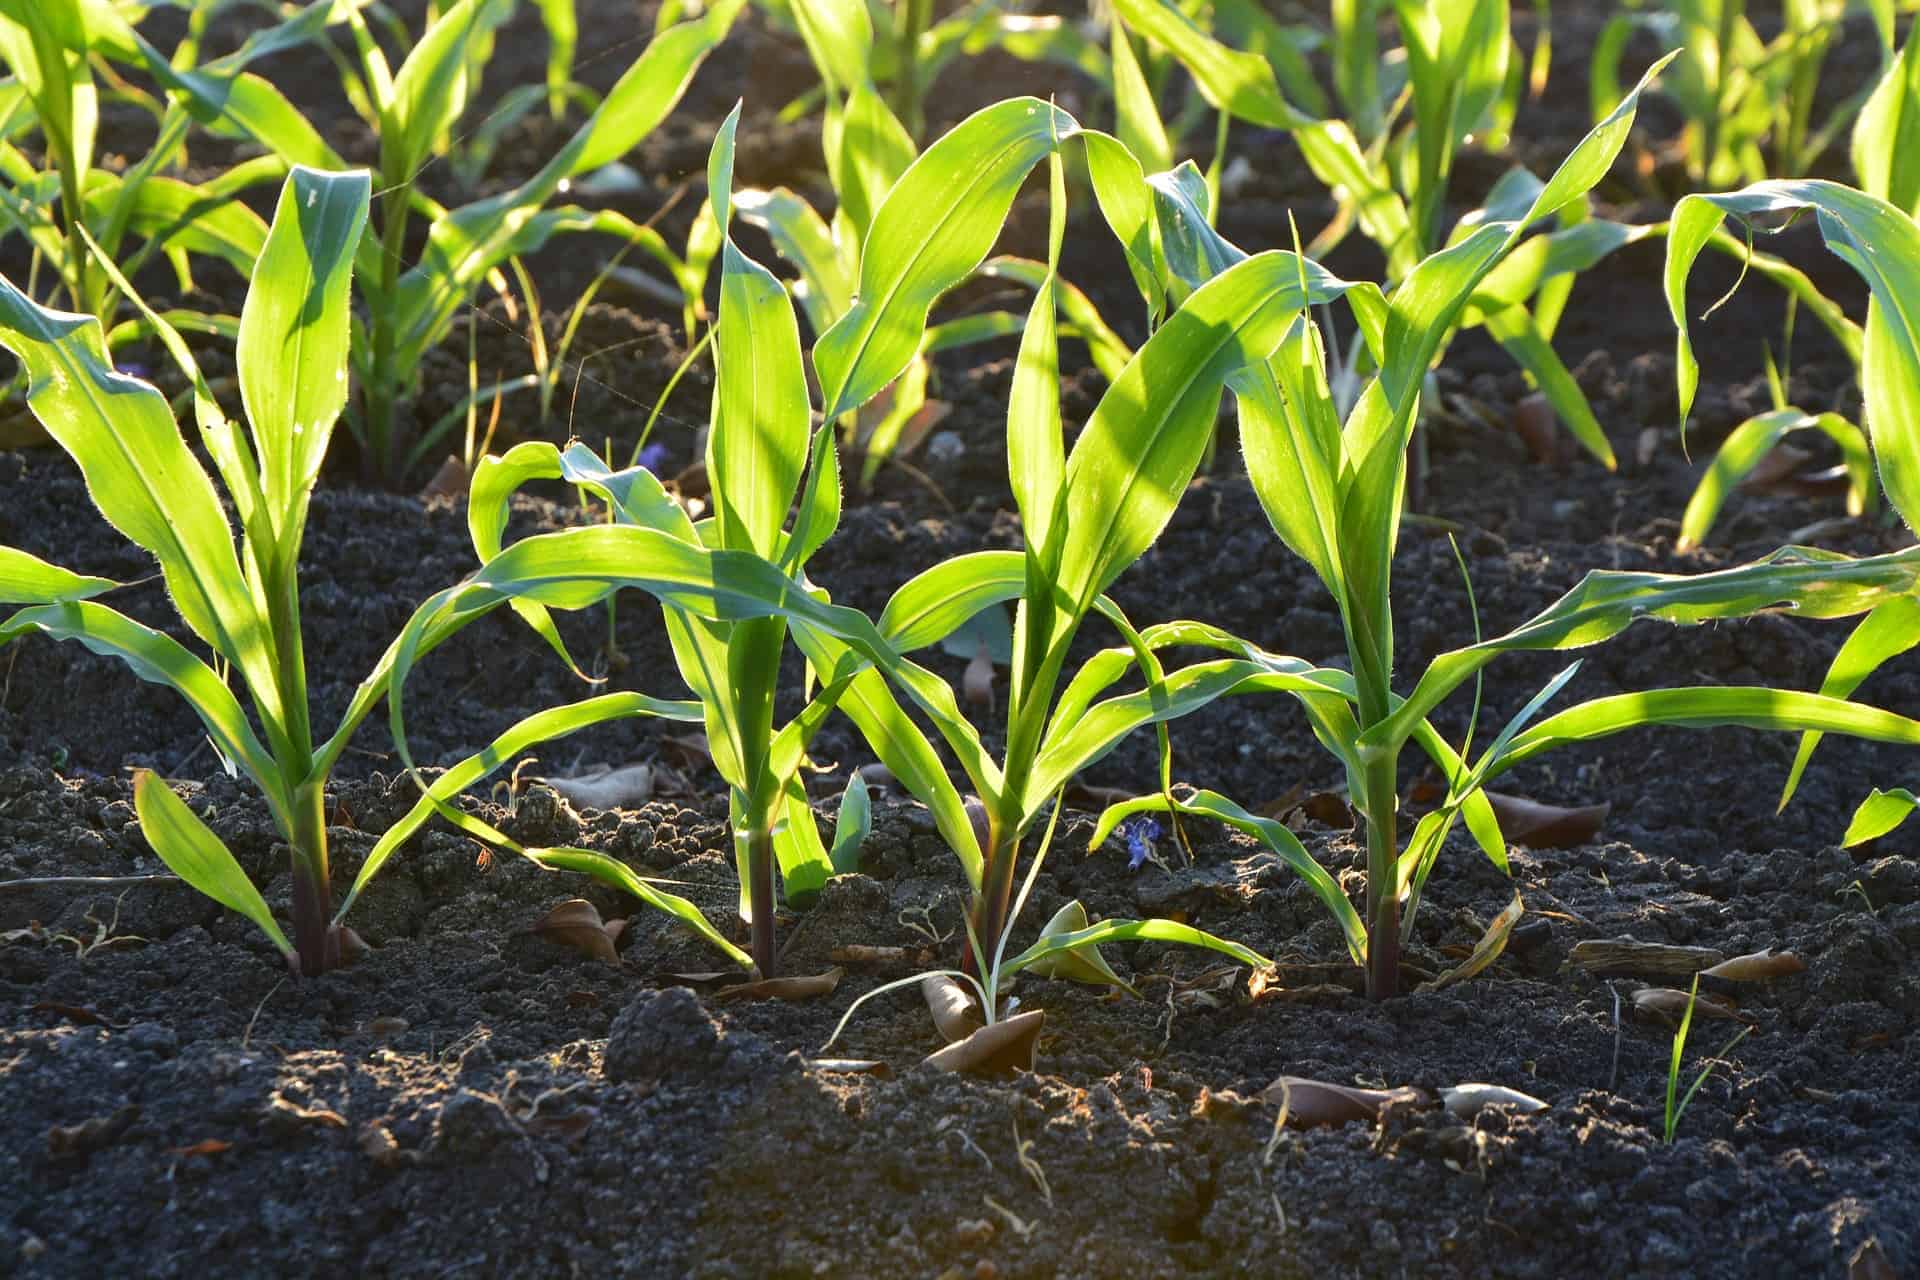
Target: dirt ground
point(472, 1099)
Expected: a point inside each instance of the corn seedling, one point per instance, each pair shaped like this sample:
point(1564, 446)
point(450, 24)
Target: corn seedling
point(243, 605)
point(1886, 163)
point(51, 97)
point(409, 309)
point(1748, 102)
point(1089, 516)
point(1333, 494)
point(1677, 1103)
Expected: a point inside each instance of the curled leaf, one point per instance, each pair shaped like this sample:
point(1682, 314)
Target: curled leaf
point(853, 1067)
point(954, 1010)
point(808, 987)
point(997, 1050)
point(1469, 1100)
point(1757, 966)
point(1486, 951)
point(1546, 826)
point(576, 923)
point(1314, 1104)
point(1081, 964)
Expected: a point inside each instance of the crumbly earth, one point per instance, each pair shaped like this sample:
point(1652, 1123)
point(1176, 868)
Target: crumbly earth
point(474, 1099)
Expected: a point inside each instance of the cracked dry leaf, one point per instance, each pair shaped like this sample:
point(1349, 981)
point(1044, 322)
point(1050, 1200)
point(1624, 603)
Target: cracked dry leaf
point(1546, 826)
point(91, 1134)
point(997, 1050)
point(576, 923)
point(1313, 1104)
point(1605, 956)
point(808, 987)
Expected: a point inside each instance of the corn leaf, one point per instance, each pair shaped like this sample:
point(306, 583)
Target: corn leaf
point(1889, 630)
point(1878, 814)
point(192, 852)
point(27, 579)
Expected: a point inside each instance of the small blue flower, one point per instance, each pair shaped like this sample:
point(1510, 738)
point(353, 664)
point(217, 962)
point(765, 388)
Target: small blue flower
point(654, 457)
point(133, 369)
point(1139, 833)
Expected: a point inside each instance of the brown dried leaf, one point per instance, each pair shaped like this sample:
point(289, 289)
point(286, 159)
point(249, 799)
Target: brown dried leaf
point(976, 682)
point(1329, 809)
point(1487, 950)
point(1538, 426)
point(811, 987)
point(1546, 826)
point(90, 1134)
point(954, 1010)
point(80, 1014)
point(576, 923)
point(1757, 966)
point(854, 1067)
point(1605, 956)
point(871, 957)
point(568, 1126)
point(377, 1144)
point(693, 748)
point(1664, 1004)
point(385, 1026)
point(1869, 1262)
point(999, 1050)
point(204, 1147)
point(451, 481)
point(1313, 1104)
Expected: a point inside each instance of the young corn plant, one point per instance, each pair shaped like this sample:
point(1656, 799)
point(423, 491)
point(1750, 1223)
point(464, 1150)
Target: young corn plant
point(1880, 240)
point(1332, 491)
point(1748, 102)
point(1886, 163)
point(50, 102)
point(243, 604)
point(408, 309)
point(1089, 515)
point(868, 151)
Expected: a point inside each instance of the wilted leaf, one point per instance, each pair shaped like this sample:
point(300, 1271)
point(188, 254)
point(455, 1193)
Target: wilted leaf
point(204, 1147)
point(1538, 427)
point(1546, 826)
point(385, 1026)
point(954, 1010)
point(809, 987)
point(1757, 966)
point(871, 957)
point(377, 1144)
point(91, 1134)
point(451, 481)
point(1313, 1104)
point(576, 923)
point(1624, 955)
point(1469, 1100)
point(1486, 951)
point(998, 1050)
point(1082, 964)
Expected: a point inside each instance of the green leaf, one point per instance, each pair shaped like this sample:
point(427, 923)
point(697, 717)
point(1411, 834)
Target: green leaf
point(620, 876)
point(1886, 137)
point(1889, 630)
point(1750, 442)
point(542, 726)
point(1274, 835)
point(1878, 814)
point(1131, 931)
point(935, 227)
point(196, 855)
point(27, 579)
point(430, 91)
point(1881, 244)
point(1083, 963)
point(292, 349)
point(851, 829)
point(143, 479)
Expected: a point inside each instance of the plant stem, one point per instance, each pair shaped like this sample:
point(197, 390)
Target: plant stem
point(990, 908)
point(317, 944)
point(1383, 880)
point(911, 20)
point(760, 899)
point(382, 393)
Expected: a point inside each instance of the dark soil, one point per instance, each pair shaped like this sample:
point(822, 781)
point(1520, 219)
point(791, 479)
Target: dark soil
point(472, 1099)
